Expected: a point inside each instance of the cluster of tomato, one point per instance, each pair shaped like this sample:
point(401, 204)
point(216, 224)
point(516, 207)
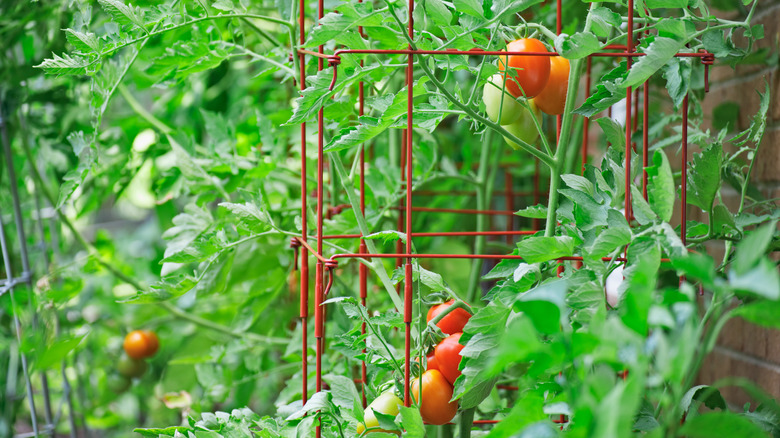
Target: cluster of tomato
point(540, 79)
point(437, 381)
point(138, 345)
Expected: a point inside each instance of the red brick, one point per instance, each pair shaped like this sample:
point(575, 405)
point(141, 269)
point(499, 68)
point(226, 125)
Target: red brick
point(767, 167)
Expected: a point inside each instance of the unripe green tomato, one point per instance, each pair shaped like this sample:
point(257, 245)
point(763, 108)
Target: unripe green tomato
point(131, 367)
point(511, 109)
point(387, 403)
point(524, 127)
point(117, 383)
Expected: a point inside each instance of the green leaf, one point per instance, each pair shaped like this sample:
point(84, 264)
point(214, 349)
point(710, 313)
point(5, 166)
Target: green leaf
point(55, 353)
point(613, 131)
point(604, 20)
point(84, 42)
point(470, 7)
point(762, 312)
point(720, 45)
point(438, 12)
point(677, 4)
point(320, 401)
point(123, 14)
point(660, 186)
point(387, 236)
point(658, 53)
point(696, 266)
point(540, 249)
point(643, 213)
point(482, 335)
point(762, 280)
point(580, 183)
point(721, 424)
point(713, 400)
point(677, 73)
point(609, 91)
point(412, 421)
point(609, 240)
point(545, 305)
point(704, 176)
point(526, 410)
point(753, 247)
point(577, 46)
point(68, 65)
point(535, 211)
point(344, 392)
point(250, 215)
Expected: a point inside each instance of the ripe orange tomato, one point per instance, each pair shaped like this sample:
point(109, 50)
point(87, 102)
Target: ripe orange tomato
point(453, 322)
point(140, 344)
point(553, 98)
point(448, 357)
point(528, 75)
point(435, 406)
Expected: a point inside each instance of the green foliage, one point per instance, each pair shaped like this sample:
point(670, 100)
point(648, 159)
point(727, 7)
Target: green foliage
point(164, 143)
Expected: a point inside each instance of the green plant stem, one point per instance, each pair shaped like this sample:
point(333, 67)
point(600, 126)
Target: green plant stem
point(376, 264)
point(559, 160)
point(466, 421)
point(483, 201)
point(141, 111)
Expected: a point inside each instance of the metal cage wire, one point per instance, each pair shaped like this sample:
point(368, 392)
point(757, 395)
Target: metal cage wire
point(24, 278)
point(403, 254)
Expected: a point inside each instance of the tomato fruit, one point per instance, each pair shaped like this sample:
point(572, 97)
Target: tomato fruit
point(448, 357)
point(432, 364)
point(524, 128)
point(387, 403)
point(527, 74)
point(553, 98)
point(455, 320)
point(435, 406)
point(130, 367)
point(140, 344)
point(118, 384)
point(492, 96)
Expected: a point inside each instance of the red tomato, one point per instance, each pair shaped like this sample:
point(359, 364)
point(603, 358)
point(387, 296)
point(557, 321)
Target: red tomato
point(528, 75)
point(448, 357)
point(140, 344)
point(435, 406)
point(453, 322)
point(553, 98)
point(432, 364)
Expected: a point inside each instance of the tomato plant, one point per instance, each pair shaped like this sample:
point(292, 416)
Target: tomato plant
point(166, 154)
point(435, 404)
point(552, 98)
point(453, 322)
point(527, 74)
point(141, 344)
point(448, 356)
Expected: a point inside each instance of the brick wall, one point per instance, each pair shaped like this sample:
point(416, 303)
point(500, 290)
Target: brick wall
point(744, 349)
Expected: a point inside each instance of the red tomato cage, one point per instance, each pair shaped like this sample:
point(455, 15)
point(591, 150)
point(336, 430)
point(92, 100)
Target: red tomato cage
point(307, 247)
